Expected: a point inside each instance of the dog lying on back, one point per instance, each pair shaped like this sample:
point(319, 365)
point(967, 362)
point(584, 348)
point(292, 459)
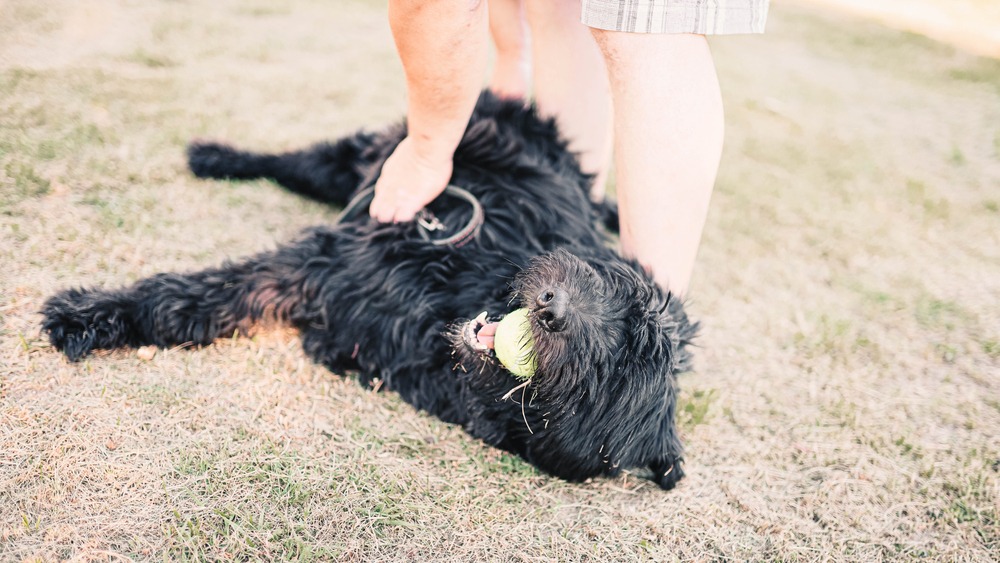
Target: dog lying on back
point(384, 301)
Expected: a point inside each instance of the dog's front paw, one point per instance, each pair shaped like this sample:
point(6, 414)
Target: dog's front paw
point(76, 325)
point(667, 472)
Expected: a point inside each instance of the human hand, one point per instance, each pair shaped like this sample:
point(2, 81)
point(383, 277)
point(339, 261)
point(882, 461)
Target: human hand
point(411, 178)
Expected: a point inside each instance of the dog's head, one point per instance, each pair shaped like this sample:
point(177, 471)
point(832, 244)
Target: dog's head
point(609, 344)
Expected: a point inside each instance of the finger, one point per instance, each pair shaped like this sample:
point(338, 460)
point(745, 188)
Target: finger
point(380, 210)
point(403, 215)
point(386, 213)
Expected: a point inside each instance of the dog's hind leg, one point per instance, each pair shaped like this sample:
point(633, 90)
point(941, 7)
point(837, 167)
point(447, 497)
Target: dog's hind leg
point(174, 309)
point(326, 172)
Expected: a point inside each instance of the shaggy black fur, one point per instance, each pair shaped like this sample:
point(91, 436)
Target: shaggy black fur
point(379, 300)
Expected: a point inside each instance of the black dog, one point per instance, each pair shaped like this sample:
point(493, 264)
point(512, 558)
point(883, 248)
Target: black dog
point(382, 300)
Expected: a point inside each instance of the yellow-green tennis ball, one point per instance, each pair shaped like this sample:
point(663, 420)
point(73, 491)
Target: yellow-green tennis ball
point(514, 345)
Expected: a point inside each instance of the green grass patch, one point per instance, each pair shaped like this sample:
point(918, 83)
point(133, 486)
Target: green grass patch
point(907, 448)
point(234, 533)
point(973, 501)
point(919, 194)
point(991, 348)
point(151, 60)
point(260, 495)
point(693, 408)
point(981, 71)
point(880, 299)
point(509, 464)
point(22, 182)
point(840, 339)
point(957, 157)
point(269, 9)
point(940, 314)
point(946, 352)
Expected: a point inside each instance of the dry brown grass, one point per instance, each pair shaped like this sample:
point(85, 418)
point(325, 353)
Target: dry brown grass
point(847, 400)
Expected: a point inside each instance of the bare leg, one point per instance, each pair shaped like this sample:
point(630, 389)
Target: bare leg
point(443, 47)
point(668, 140)
point(571, 83)
point(510, 37)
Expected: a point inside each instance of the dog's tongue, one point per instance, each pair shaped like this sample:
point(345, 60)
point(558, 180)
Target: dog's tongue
point(486, 334)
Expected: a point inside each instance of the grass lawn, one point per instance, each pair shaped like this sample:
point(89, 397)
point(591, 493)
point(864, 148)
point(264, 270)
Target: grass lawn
point(846, 403)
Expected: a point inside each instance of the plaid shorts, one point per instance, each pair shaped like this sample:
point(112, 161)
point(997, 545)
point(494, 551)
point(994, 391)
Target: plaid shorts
point(705, 17)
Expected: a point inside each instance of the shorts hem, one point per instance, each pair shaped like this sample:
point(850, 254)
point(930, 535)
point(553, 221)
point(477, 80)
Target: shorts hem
point(659, 16)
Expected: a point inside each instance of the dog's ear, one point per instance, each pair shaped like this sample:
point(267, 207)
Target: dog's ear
point(607, 214)
point(665, 339)
point(680, 330)
point(667, 458)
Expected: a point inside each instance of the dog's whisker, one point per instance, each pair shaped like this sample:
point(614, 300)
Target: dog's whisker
point(514, 390)
point(523, 414)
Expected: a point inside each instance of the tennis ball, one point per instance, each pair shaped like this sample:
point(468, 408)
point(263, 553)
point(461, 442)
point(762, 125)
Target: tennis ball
point(514, 345)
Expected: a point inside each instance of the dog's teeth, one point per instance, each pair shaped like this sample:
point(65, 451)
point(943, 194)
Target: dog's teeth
point(482, 317)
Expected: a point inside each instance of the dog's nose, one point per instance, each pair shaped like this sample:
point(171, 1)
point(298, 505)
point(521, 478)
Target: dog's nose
point(552, 308)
